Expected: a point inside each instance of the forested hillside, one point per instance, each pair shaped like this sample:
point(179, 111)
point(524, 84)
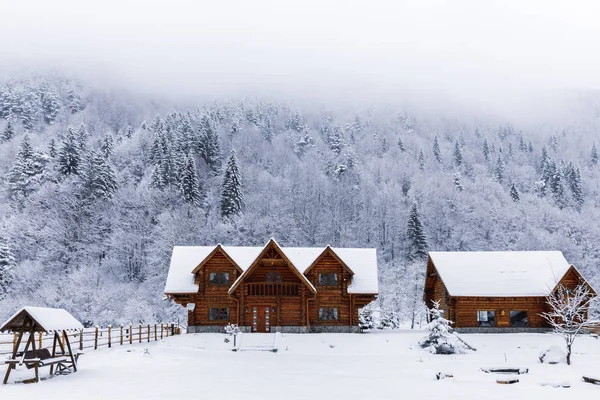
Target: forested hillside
point(98, 185)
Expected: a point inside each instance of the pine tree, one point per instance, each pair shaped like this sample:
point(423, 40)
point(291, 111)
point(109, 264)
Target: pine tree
point(8, 133)
point(458, 157)
point(417, 242)
point(458, 182)
point(544, 159)
point(129, 132)
point(69, 154)
point(232, 197)
point(522, 144)
point(384, 145)
point(107, 145)
point(556, 185)
point(442, 339)
point(499, 170)
point(486, 150)
point(189, 185)
point(50, 107)
point(52, 148)
point(594, 154)
point(335, 140)
point(514, 193)
point(572, 176)
point(421, 160)
point(27, 172)
point(209, 147)
point(436, 150)
point(401, 145)
point(7, 265)
point(98, 180)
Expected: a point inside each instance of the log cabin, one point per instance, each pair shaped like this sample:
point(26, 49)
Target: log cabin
point(497, 291)
point(272, 288)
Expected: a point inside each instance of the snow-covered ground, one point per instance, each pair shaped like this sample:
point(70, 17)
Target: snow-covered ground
point(378, 365)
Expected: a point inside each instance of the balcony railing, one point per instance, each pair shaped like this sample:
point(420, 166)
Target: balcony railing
point(272, 289)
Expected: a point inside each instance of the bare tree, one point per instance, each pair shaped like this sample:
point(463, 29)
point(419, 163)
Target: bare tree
point(568, 315)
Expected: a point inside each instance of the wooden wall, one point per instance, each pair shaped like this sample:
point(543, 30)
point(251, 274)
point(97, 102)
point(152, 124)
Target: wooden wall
point(464, 312)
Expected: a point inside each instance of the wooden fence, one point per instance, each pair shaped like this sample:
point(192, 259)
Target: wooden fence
point(95, 338)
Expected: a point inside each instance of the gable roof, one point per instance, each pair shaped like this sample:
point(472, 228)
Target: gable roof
point(363, 262)
point(45, 319)
point(255, 263)
point(500, 273)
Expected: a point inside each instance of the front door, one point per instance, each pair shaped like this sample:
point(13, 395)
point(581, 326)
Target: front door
point(261, 319)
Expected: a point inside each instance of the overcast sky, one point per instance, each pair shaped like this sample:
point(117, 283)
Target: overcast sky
point(497, 53)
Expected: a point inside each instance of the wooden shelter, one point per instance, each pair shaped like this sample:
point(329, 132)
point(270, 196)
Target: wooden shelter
point(272, 288)
point(497, 290)
point(28, 321)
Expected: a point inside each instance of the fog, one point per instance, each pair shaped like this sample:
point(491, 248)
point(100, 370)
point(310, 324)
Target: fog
point(505, 56)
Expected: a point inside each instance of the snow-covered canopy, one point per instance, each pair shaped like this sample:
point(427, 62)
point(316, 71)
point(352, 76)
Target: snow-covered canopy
point(500, 273)
point(363, 262)
point(45, 319)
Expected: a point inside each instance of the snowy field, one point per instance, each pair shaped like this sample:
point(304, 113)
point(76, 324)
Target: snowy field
point(378, 365)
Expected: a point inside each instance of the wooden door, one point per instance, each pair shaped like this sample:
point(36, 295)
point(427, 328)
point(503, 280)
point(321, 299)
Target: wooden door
point(261, 318)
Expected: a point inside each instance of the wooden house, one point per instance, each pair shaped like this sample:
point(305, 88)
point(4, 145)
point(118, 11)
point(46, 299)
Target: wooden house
point(272, 288)
point(497, 290)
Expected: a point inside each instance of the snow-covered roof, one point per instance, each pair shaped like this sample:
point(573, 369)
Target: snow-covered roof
point(47, 319)
point(363, 262)
point(500, 273)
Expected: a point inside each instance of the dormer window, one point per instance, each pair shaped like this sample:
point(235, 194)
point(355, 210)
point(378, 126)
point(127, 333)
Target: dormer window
point(328, 279)
point(219, 278)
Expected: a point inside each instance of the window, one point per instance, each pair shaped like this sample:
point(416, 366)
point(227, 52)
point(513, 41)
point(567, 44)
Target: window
point(518, 318)
point(331, 314)
point(215, 314)
point(273, 277)
point(486, 318)
point(328, 279)
point(219, 278)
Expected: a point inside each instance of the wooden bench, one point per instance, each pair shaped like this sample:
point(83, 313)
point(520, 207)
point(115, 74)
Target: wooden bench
point(43, 358)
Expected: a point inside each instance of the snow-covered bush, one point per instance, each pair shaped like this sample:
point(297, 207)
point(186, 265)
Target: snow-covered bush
point(365, 318)
point(442, 339)
point(552, 355)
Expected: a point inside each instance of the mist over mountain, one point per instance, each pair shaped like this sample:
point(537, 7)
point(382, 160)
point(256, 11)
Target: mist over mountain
point(98, 184)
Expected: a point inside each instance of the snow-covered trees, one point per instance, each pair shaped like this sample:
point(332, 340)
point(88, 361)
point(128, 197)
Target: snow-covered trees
point(190, 186)
point(437, 154)
point(8, 132)
point(98, 179)
point(514, 193)
point(417, 241)
point(209, 147)
point(457, 154)
point(442, 339)
point(7, 264)
point(69, 154)
point(569, 313)
point(27, 172)
point(232, 197)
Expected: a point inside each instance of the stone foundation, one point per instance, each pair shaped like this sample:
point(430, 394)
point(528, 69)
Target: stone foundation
point(282, 329)
point(502, 330)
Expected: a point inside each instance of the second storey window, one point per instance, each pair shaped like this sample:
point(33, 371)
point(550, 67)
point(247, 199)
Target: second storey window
point(219, 278)
point(328, 279)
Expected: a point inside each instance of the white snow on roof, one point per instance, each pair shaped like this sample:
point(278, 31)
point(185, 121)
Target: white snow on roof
point(51, 319)
point(243, 256)
point(500, 273)
point(363, 262)
point(183, 261)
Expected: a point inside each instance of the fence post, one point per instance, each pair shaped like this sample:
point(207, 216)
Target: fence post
point(155, 336)
point(130, 333)
point(64, 336)
point(167, 329)
point(161, 330)
point(109, 337)
point(140, 332)
point(96, 339)
point(121, 336)
point(148, 333)
point(39, 340)
point(81, 339)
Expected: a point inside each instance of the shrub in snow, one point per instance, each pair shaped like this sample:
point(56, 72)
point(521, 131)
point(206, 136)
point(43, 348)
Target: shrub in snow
point(442, 339)
point(232, 329)
point(552, 355)
point(365, 318)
